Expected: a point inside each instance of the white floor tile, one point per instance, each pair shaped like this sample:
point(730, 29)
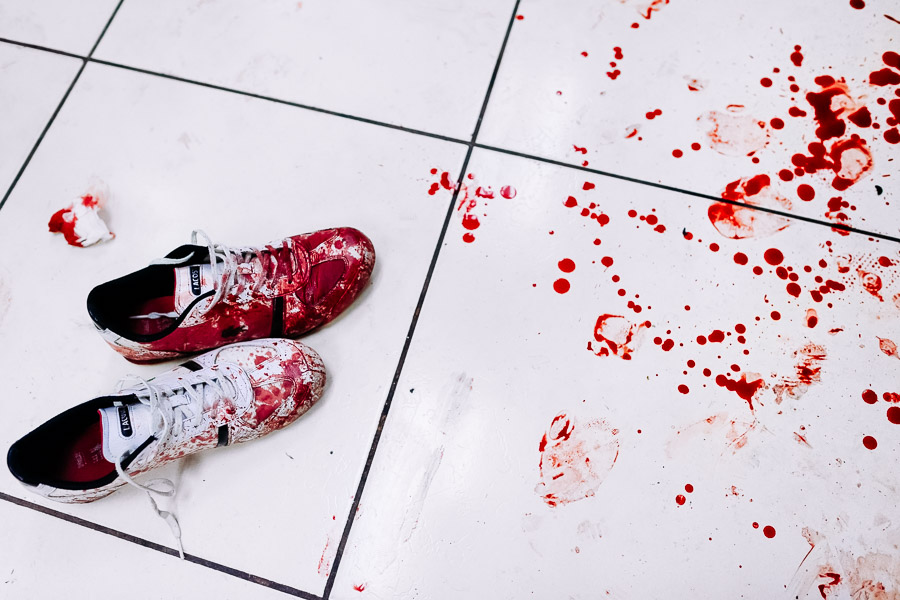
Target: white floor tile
point(562, 440)
point(691, 75)
point(177, 156)
point(58, 24)
point(424, 65)
point(31, 85)
point(46, 557)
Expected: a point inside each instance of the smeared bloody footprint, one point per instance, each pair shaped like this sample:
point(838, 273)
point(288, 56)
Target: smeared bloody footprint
point(575, 459)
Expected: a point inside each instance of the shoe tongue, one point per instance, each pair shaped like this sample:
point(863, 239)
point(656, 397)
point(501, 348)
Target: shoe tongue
point(124, 427)
point(190, 283)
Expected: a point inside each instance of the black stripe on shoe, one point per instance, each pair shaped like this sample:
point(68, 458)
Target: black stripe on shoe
point(223, 436)
point(278, 317)
point(191, 365)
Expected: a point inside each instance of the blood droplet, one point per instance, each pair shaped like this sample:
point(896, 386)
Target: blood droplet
point(870, 442)
point(769, 531)
point(561, 285)
point(806, 192)
point(893, 415)
point(773, 256)
point(680, 499)
point(567, 265)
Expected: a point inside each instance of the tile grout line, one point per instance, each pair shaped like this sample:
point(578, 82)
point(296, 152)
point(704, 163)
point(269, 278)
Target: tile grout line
point(559, 163)
point(43, 48)
point(351, 517)
point(237, 573)
point(59, 106)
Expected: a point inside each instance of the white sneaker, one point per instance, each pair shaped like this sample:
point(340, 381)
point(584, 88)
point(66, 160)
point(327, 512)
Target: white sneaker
point(230, 395)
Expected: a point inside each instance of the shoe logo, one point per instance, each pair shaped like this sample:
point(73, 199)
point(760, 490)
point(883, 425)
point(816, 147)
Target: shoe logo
point(195, 280)
point(125, 422)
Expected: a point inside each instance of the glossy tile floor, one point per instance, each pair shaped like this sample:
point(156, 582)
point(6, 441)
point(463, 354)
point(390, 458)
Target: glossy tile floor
point(576, 374)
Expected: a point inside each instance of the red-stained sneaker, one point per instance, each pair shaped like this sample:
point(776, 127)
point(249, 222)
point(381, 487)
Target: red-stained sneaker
point(204, 296)
point(227, 396)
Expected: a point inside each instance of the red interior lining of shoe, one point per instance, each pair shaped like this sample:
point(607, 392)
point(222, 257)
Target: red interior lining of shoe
point(165, 304)
point(82, 459)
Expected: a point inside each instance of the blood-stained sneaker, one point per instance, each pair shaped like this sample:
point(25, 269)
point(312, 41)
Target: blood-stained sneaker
point(227, 396)
point(205, 296)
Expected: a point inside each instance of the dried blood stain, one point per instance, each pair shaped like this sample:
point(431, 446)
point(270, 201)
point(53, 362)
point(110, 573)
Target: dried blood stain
point(888, 347)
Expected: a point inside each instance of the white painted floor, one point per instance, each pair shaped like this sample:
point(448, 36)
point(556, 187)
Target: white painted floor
point(574, 375)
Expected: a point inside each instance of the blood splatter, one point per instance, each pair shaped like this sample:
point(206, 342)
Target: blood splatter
point(470, 221)
point(884, 77)
point(654, 6)
point(616, 336)
point(508, 192)
point(680, 499)
point(870, 397)
point(359, 587)
point(769, 531)
point(870, 442)
point(683, 389)
point(561, 285)
point(797, 57)
point(575, 459)
point(743, 387)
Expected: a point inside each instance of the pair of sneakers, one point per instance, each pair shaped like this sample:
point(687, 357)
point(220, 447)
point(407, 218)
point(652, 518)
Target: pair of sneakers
point(239, 305)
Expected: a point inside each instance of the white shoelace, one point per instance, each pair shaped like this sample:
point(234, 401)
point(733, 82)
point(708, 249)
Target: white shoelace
point(170, 408)
point(227, 263)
